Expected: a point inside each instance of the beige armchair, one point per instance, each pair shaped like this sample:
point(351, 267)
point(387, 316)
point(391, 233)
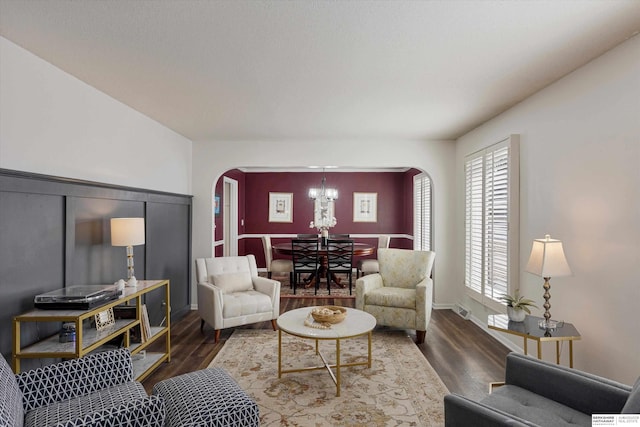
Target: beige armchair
point(401, 294)
point(230, 293)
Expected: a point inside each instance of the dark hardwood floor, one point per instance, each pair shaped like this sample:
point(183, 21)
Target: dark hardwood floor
point(465, 358)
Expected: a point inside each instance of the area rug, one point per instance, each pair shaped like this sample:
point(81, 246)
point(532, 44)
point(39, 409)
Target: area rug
point(286, 291)
point(400, 389)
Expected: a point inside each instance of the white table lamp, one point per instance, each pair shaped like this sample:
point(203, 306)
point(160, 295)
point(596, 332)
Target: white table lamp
point(128, 232)
point(547, 260)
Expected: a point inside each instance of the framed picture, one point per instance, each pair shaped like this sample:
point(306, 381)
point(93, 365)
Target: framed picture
point(365, 207)
point(105, 319)
point(216, 205)
point(280, 207)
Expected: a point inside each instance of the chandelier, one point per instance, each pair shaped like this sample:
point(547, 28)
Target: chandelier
point(323, 212)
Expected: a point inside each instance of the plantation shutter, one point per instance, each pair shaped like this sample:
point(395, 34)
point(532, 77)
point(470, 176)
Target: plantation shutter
point(474, 223)
point(497, 223)
point(491, 216)
point(422, 212)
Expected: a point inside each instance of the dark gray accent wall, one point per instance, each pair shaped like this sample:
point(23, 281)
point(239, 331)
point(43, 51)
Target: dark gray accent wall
point(168, 253)
point(55, 232)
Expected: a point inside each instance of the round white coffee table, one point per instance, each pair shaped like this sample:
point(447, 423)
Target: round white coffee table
point(356, 323)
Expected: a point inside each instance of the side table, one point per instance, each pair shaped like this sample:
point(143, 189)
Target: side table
point(529, 330)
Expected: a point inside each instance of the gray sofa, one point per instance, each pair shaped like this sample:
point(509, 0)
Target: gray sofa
point(538, 393)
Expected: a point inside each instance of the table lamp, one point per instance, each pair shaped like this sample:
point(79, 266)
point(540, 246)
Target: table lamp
point(128, 232)
point(547, 260)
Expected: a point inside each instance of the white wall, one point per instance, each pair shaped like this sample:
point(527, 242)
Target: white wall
point(580, 182)
point(52, 123)
point(212, 159)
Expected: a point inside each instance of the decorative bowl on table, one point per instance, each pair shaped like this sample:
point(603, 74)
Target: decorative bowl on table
point(329, 314)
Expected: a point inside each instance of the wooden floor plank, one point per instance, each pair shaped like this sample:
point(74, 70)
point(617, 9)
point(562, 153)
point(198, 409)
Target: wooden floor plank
point(465, 357)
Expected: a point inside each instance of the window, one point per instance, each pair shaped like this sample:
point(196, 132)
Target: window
point(491, 222)
point(422, 212)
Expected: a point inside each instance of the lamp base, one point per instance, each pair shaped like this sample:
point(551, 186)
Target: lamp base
point(550, 325)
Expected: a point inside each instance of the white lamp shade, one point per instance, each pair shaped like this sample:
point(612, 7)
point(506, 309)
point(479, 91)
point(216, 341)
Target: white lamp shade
point(127, 231)
point(547, 258)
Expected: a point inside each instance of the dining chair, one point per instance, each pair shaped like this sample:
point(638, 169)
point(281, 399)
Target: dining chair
point(277, 266)
point(304, 256)
point(339, 260)
point(339, 236)
point(370, 265)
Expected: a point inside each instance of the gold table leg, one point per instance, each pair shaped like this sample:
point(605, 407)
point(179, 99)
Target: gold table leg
point(369, 360)
point(336, 377)
point(280, 353)
point(571, 353)
point(337, 368)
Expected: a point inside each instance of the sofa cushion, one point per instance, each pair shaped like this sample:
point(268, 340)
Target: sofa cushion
point(72, 409)
point(391, 297)
point(632, 406)
point(145, 412)
point(245, 303)
point(74, 378)
point(11, 412)
point(233, 282)
point(533, 407)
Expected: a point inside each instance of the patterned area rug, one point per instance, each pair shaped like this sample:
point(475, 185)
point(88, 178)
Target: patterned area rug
point(301, 292)
point(400, 389)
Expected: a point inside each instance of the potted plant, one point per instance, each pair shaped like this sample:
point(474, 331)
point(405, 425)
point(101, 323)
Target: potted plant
point(517, 306)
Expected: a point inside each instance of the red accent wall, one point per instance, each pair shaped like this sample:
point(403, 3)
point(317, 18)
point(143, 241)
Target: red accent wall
point(395, 205)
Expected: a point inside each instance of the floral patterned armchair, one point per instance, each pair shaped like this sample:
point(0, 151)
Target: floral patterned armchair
point(400, 294)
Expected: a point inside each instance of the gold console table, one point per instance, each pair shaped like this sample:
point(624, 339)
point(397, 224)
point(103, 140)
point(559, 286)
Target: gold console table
point(89, 339)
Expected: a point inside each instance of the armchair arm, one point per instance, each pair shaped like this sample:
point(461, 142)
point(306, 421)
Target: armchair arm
point(266, 286)
point(271, 288)
point(462, 412)
point(579, 390)
point(149, 411)
point(74, 378)
point(366, 284)
point(424, 304)
point(210, 304)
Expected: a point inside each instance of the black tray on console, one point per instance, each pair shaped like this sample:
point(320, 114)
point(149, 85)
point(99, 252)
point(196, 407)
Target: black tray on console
point(77, 297)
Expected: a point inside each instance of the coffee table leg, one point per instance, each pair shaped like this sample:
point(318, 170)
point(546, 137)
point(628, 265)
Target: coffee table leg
point(369, 360)
point(338, 368)
point(279, 353)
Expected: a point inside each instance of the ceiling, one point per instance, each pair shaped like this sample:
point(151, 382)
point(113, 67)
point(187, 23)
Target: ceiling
point(309, 70)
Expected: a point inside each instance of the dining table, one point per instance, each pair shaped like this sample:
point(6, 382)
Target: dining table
point(359, 249)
